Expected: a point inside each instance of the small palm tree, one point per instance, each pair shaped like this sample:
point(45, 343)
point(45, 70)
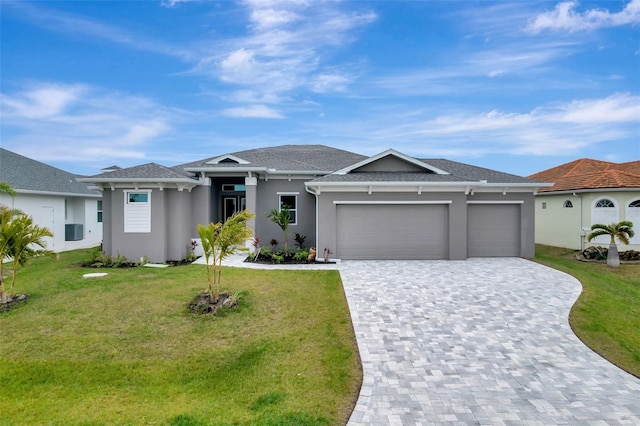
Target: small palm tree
point(622, 231)
point(20, 240)
point(282, 218)
point(220, 240)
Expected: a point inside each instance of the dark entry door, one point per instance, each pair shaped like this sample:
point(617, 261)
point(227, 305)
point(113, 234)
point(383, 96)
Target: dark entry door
point(232, 204)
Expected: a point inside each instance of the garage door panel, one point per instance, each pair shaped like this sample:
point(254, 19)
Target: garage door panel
point(392, 231)
point(493, 230)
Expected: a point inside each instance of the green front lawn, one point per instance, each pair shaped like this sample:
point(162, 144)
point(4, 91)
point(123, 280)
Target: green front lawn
point(606, 316)
point(123, 349)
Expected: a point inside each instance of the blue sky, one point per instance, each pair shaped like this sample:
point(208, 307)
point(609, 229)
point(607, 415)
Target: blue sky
point(515, 86)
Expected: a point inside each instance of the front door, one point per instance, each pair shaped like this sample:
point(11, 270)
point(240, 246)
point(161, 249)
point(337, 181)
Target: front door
point(233, 204)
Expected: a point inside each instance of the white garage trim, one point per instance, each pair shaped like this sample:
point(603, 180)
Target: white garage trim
point(494, 230)
point(496, 202)
point(392, 231)
point(394, 202)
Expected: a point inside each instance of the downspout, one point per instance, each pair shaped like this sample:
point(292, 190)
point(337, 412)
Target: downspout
point(580, 220)
point(306, 188)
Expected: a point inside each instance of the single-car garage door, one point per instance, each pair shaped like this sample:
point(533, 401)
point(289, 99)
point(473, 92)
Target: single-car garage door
point(493, 230)
point(392, 231)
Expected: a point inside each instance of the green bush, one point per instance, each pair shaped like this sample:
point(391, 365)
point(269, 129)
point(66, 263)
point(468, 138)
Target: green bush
point(301, 256)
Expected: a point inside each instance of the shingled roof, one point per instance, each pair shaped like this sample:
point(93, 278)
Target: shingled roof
point(27, 175)
point(309, 158)
point(586, 173)
point(457, 172)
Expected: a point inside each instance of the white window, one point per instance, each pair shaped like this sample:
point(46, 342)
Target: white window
point(289, 201)
point(604, 211)
point(568, 204)
point(633, 215)
point(544, 205)
point(137, 211)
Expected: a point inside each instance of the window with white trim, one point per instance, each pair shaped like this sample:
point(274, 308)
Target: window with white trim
point(289, 201)
point(137, 211)
point(568, 204)
point(605, 203)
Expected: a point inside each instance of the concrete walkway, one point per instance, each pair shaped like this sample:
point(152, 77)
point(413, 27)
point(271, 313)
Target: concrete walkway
point(482, 341)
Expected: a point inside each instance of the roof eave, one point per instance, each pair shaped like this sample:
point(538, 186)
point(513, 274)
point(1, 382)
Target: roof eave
point(586, 190)
point(139, 180)
point(58, 194)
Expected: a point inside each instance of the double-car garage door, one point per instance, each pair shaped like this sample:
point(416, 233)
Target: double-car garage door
point(392, 231)
point(421, 231)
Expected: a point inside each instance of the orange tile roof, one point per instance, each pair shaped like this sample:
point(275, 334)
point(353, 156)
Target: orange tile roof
point(586, 173)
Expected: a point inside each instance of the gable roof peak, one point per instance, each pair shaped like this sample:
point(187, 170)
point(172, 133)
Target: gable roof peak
point(394, 153)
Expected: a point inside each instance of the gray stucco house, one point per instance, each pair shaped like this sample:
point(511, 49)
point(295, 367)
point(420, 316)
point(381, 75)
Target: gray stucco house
point(389, 206)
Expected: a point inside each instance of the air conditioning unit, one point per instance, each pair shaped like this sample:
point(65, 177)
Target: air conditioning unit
point(73, 232)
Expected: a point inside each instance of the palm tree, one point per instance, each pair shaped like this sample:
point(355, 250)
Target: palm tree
point(5, 188)
point(622, 231)
point(20, 240)
point(220, 240)
point(282, 218)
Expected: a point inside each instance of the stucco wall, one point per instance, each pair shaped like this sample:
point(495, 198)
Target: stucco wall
point(267, 200)
point(457, 216)
point(135, 245)
point(178, 226)
point(562, 227)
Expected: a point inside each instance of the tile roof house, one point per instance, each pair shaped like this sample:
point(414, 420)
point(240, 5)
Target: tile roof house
point(55, 199)
point(389, 206)
point(586, 192)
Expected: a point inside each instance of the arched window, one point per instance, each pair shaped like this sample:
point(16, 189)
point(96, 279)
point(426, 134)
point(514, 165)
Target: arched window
point(605, 203)
point(633, 215)
point(568, 204)
point(604, 211)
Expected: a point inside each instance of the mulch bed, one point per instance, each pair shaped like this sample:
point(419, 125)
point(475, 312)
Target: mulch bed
point(13, 302)
point(202, 304)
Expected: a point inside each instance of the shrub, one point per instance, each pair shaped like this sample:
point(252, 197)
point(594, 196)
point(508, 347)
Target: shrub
point(301, 256)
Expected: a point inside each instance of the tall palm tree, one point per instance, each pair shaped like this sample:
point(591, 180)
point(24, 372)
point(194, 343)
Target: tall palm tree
point(622, 231)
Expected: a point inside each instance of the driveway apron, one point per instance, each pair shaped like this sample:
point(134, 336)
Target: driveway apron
point(481, 341)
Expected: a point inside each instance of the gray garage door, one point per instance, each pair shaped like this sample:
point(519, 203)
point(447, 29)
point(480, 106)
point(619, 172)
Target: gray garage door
point(493, 230)
point(392, 231)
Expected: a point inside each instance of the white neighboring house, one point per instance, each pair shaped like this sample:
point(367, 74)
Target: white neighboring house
point(53, 197)
point(586, 192)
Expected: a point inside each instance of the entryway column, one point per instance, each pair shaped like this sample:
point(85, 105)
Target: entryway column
point(251, 186)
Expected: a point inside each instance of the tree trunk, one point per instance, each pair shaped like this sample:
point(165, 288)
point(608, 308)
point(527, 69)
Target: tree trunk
point(613, 259)
point(3, 293)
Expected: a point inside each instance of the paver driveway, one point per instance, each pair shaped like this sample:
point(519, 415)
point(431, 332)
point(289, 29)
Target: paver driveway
point(482, 341)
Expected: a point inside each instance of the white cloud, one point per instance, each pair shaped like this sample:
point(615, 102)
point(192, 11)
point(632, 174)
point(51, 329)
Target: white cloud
point(77, 25)
point(268, 18)
point(333, 82)
point(565, 18)
point(252, 111)
point(561, 128)
point(41, 101)
point(469, 73)
point(173, 3)
point(76, 122)
point(286, 47)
